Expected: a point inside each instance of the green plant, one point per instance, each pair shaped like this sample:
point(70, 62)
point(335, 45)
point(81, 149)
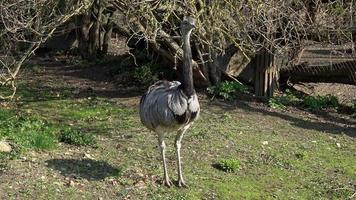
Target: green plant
point(319, 102)
point(301, 155)
point(276, 103)
point(228, 165)
point(287, 99)
point(353, 108)
point(227, 90)
point(77, 138)
point(146, 74)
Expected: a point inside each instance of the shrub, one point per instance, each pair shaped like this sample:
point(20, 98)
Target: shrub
point(75, 137)
point(227, 90)
point(310, 102)
point(287, 99)
point(146, 74)
point(228, 165)
point(319, 102)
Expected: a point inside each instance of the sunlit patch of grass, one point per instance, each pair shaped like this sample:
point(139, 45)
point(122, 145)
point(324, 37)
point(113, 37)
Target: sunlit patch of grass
point(27, 132)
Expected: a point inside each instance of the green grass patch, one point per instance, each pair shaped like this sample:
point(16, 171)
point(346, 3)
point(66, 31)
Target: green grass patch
point(76, 137)
point(227, 90)
point(228, 165)
point(27, 132)
point(34, 92)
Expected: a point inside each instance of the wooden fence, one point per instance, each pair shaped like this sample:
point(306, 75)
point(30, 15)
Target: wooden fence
point(266, 74)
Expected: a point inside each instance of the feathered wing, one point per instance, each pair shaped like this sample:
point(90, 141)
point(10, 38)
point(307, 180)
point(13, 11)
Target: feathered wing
point(164, 104)
point(154, 106)
point(194, 107)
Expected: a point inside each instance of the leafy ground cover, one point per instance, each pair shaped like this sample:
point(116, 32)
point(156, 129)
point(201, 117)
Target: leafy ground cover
point(278, 154)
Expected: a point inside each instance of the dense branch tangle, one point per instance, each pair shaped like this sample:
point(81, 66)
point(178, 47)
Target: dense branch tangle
point(248, 25)
point(224, 27)
point(24, 26)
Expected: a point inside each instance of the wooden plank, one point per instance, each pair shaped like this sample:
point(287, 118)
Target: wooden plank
point(271, 79)
point(265, 81)
point(262, 74)
point(257, 75)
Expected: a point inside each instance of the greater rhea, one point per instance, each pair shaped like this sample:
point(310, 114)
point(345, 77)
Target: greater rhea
point(172, 106)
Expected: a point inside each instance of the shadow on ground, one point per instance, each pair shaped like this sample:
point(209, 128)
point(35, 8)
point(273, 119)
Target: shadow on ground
point(86, 168)
point(61, 80)
point(328, 125)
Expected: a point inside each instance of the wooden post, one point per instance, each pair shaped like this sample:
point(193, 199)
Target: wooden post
point(265, 74)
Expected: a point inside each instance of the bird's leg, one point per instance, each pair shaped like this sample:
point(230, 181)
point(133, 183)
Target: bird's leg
point(162, 146)
point(178, 144)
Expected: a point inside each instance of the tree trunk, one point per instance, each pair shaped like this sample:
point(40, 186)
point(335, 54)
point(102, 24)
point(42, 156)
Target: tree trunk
point(214, 70)
point(94, 33)
point(83, 36)
point(89, 33)
point(107, 35)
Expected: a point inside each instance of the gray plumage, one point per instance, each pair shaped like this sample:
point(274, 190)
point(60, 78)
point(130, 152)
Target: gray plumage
point(166, 105)
point(172, 106)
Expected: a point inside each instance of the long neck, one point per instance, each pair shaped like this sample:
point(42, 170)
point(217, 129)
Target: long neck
point(187, 80)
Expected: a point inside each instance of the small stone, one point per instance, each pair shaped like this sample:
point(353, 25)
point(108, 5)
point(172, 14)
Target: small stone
point(71, 183)
point(5, 147)
point(140, 185)
point(338, 145)
point(86, 155)
point(265, 142)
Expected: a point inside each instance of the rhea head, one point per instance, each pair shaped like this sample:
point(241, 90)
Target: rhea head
point(187, 25)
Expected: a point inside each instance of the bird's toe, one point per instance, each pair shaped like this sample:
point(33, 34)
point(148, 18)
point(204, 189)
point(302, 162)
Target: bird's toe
point(167, 183)
point(181, 183)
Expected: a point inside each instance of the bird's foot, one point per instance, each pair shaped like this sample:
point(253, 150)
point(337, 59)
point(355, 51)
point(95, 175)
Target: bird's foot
point(181, 183)
point(167, 183)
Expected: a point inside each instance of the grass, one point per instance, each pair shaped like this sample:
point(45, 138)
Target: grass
point(272, 155)
point(27, 132)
